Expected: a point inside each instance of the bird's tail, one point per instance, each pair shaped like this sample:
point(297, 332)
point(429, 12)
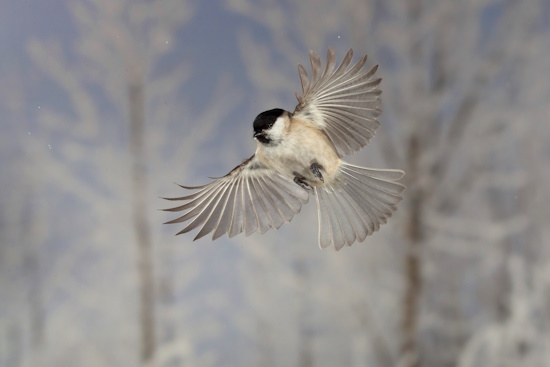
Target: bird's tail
point(359, 201)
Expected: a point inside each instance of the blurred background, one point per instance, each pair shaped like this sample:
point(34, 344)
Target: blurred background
point(106, 103)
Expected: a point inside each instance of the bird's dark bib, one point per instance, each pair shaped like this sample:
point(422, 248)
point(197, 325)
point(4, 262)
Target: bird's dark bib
point(264, 140)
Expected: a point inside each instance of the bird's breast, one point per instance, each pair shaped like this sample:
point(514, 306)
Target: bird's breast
point(303, 146)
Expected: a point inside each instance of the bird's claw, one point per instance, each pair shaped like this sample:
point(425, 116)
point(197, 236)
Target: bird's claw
point(315, 167)
point(302, 183)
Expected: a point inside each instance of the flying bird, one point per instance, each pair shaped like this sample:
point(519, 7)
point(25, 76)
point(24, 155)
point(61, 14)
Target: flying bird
point(299, 154)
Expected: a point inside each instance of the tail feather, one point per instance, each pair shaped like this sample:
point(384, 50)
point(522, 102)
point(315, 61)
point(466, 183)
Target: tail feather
point(360, 200)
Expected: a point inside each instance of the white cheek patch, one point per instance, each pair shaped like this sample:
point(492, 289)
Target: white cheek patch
point(277, 130)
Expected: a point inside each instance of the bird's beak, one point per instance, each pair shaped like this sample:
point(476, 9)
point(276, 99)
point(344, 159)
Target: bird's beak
point(256, 134)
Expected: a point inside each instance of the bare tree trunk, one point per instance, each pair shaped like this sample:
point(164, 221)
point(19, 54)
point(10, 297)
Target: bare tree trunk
point(143, 235)
point(409, 356)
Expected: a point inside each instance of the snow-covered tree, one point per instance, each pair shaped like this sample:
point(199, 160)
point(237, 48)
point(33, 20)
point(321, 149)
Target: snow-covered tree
point(455, 118)
point(101, 115)
point(107, 129)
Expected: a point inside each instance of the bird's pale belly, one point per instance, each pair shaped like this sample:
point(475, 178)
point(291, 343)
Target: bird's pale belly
point(294, 157)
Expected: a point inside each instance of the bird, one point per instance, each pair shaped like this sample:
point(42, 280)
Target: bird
point(298, 155)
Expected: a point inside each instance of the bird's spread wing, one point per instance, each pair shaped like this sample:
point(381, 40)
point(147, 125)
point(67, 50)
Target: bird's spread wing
point(251, 197)
point(344, 103)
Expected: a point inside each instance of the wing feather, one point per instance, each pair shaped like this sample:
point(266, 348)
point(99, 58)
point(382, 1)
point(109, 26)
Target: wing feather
point(304, 78)
point(251, 197)
point(331, 63)
point(225, 218)
point(250, 219)
point(271, 211)
point(325, 229)
point(315, 67)
point(283, 207)
point(205, 211)
point(344, 103)
point(237, 219)
point(264, 222)
point(198, 205)
point(226, 206)
point(345, 219)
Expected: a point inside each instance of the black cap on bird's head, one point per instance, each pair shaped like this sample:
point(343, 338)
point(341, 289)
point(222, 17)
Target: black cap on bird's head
point(264, 121)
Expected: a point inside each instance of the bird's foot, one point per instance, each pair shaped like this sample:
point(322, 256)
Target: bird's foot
point(302, 183)
point(315, 167)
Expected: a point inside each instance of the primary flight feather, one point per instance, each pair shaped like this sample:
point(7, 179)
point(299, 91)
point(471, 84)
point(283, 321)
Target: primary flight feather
point(299, 154)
